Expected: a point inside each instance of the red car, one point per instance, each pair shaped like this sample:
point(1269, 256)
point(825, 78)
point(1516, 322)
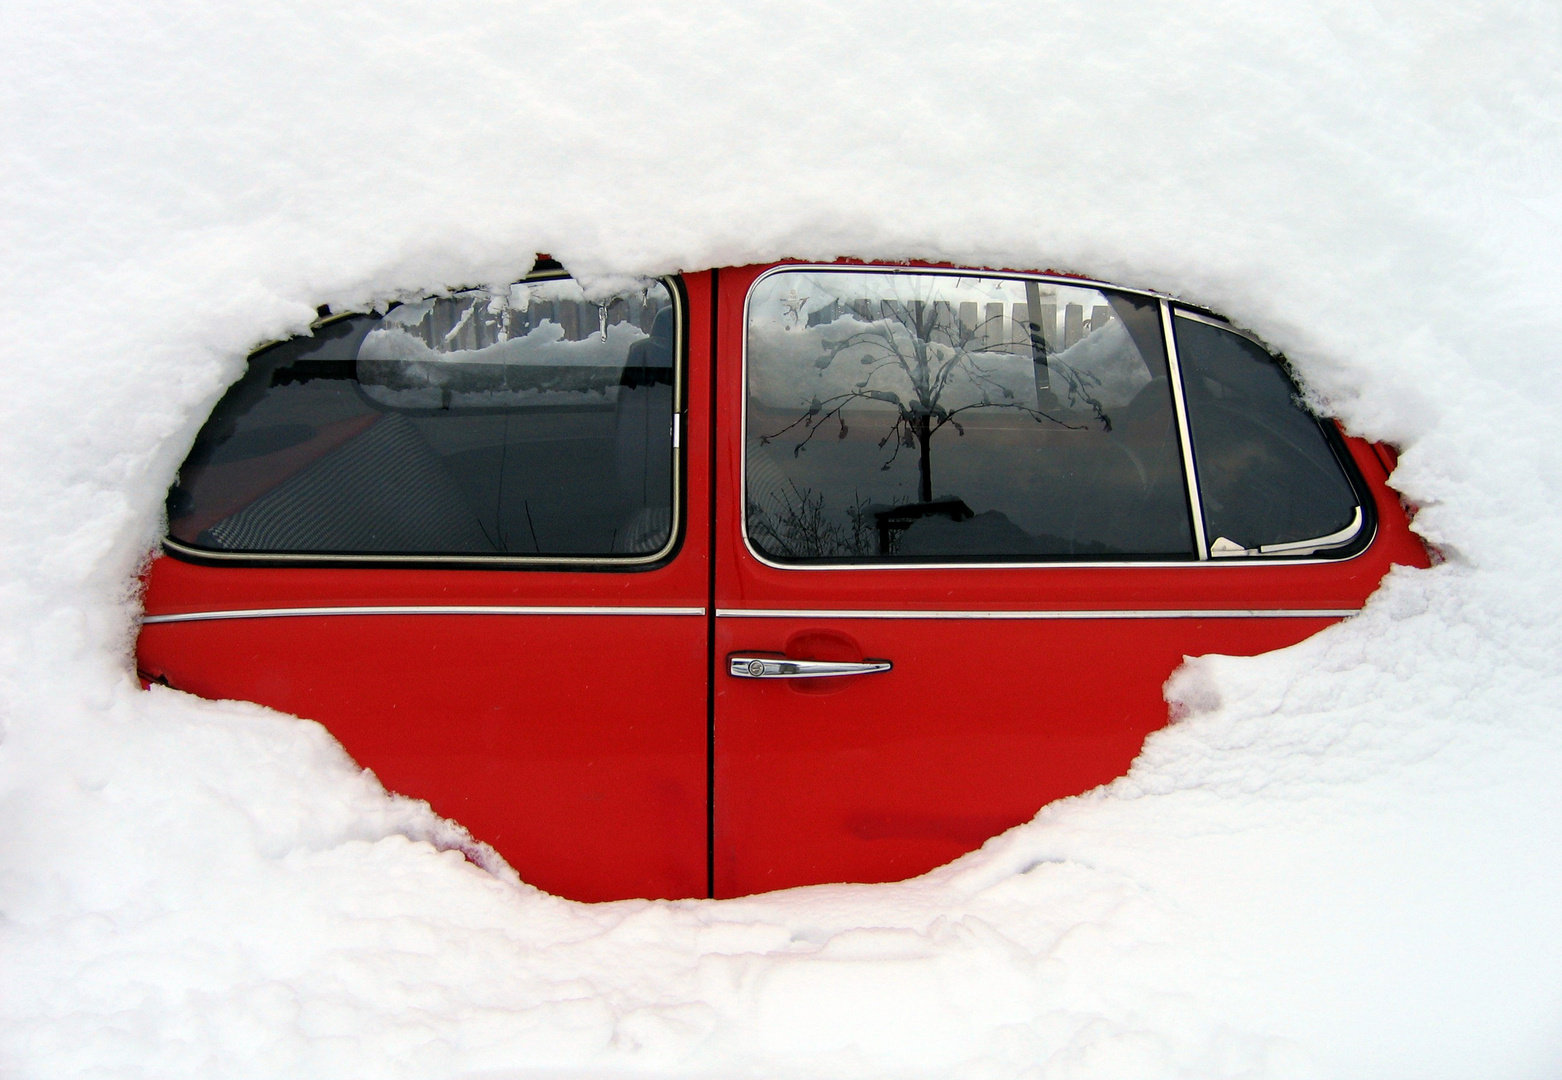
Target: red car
point(757, 577)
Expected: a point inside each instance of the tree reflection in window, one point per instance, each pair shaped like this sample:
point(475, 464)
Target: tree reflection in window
point(905, 356)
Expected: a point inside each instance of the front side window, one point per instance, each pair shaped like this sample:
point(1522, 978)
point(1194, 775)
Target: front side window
point(1269, 478)
point(937, 417)
point(522, 423)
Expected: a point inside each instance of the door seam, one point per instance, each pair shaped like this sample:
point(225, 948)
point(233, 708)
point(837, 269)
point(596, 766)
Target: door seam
point(710, 605)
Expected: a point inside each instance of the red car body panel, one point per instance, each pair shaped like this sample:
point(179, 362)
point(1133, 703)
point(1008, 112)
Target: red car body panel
point(982, 721)
point(609, 755)
point(529, 730)
point(574, 744)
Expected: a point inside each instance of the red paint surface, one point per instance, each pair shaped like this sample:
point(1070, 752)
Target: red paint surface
point(980, 723)
point(576, 745)
point(977, 727)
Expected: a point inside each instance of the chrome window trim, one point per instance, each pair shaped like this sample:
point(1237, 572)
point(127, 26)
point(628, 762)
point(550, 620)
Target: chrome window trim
point(201, 554)
point(1190, 470)
point(411, 609)
point(680, 361)
point(1186, 564)
point(1202, 561)
point(1333, 540)
point(1094, 613)
point(1319, 543)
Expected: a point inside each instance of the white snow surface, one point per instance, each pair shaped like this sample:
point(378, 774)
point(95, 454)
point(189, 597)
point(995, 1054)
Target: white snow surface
point(1343, 859)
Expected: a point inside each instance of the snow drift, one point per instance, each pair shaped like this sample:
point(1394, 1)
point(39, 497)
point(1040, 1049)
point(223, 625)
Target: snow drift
point(1342, 860)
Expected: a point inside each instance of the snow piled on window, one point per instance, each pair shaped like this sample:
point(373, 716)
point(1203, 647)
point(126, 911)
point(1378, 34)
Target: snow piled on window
point(1343, 859)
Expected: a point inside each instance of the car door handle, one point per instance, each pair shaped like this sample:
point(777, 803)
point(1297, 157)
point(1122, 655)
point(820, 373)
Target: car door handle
point(776, 667)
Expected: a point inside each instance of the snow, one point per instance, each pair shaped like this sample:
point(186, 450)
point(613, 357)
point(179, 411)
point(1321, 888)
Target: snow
point(1342, 860)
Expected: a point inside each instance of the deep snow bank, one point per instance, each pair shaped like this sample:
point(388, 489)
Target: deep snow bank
point(1342, 861)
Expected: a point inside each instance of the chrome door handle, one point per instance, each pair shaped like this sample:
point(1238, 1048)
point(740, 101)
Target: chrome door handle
point(773, 667)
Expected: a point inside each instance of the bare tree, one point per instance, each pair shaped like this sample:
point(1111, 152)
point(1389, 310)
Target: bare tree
point(915, 352)
point(795, 525)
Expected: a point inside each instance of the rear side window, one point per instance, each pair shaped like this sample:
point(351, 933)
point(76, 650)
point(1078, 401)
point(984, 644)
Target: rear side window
point(1268, 475)
point(940, 417)
point(527, 423)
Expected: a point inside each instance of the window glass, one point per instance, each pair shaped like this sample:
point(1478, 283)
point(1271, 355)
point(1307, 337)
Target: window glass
point(1267, 474)
point(521, 422)
point(934, 417)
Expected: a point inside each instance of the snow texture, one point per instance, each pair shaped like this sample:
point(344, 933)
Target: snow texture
point(1343, 860)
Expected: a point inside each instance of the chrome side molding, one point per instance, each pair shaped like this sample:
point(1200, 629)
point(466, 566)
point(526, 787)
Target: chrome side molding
point(411, 609)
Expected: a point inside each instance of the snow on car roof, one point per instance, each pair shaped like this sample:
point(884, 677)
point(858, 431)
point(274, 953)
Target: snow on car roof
point(1342, 858)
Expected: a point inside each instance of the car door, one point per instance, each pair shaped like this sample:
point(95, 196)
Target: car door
point(470, 537)
point(960, 545)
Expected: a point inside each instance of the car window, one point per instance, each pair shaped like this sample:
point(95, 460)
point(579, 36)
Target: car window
point(519, 422)
point(934, 417)
point(1269, 480)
